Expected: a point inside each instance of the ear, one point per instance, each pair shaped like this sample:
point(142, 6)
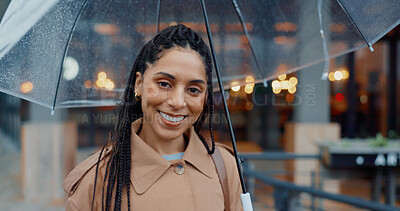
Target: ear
point(138, 83)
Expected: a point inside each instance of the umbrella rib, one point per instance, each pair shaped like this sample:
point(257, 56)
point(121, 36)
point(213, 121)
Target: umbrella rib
point(65, 53)
point(354, 23)
point(246, 33)
point(158, 15)
point(221, 89)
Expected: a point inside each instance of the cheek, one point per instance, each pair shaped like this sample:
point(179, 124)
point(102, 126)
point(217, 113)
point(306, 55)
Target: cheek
point(196, 105)
point(151, 92)
point(153, 96)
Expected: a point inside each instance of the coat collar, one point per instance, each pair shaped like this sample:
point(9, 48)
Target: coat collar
point(147, 166)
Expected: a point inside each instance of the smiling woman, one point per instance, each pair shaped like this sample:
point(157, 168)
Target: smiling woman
point(156, 158)
point(173, 94)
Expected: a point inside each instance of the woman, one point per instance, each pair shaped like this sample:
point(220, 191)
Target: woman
point(156, 158)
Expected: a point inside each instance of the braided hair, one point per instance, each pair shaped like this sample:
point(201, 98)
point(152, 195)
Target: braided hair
point(118, 169)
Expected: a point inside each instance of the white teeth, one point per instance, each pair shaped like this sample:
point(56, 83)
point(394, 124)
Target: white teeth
point(172, 119)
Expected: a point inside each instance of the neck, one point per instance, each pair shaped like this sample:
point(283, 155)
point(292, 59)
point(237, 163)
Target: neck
point(161, 145)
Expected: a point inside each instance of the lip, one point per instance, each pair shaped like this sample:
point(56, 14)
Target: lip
point(170, 123)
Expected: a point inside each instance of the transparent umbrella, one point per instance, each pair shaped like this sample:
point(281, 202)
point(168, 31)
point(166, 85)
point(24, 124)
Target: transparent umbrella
point(79, 53)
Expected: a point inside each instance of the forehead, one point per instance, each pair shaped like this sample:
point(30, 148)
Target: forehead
point(179, 62)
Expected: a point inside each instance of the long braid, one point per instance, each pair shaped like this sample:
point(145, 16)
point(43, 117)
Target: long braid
point(111, 179)
point(128, 174)
point(104, 182)
point(95, 179)
point(117, 204)
point(118, 169)
point(210, 124)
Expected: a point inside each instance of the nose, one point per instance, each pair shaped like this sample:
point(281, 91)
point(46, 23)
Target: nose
point(177, 99)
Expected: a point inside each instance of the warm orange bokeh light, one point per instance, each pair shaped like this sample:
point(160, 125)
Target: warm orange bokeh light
point(102, 75)
point(106, 29)
point(285, 27)
point(26, 87)
point(88, 84)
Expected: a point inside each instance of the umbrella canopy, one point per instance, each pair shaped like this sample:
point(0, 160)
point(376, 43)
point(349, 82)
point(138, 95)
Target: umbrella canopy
point(79, 53)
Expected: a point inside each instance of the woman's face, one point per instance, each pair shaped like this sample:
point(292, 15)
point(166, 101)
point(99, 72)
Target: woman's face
point(173, 92)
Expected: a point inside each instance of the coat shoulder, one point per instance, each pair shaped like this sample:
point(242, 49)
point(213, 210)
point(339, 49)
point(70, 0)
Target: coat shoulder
point(227, 155)
point(84, 170)
point(224, 148)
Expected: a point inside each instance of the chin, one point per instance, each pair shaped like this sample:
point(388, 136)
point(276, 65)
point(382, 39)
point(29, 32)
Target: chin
point(169, 134)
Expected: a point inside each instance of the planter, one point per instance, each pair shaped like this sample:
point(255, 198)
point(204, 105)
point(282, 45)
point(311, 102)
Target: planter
point(359, 153)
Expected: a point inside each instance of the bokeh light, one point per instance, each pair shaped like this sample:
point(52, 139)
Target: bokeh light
point(364, 99)
point(338, 75)
point(88, 84)
point(293, 81)
point(26, 87)
point(109, 84)
point(275, 84)
point(248, 89)
point(249, 106)
point(289, 98)
point(331, 76)
point(249, 79)
point(102, 75)
point(282, 77)
point(292, 89)
point(235, 86)
point(339, 97)
point(277, 91)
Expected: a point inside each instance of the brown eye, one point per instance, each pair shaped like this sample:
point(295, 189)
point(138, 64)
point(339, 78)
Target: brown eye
point(164, 84)
point(193, 90)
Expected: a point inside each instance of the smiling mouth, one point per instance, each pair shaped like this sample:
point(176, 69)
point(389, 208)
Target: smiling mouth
point(172, 118)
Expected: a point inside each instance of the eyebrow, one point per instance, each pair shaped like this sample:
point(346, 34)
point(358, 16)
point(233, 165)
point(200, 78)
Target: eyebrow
point(173, 77)
point(197, 81)
point(166, 75)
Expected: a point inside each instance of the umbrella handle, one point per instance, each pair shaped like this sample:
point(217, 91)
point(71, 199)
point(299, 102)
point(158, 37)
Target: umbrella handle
point(246, 202)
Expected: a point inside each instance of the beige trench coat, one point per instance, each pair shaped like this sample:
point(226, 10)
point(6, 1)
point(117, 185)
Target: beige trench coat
point(191, 183)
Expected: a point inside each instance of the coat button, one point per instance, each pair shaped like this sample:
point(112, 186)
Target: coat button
point(179, 169)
